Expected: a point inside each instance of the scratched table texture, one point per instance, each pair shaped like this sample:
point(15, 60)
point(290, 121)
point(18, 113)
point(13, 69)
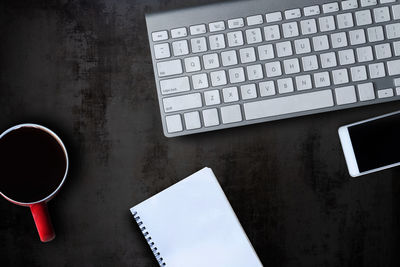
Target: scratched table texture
point(83, 69)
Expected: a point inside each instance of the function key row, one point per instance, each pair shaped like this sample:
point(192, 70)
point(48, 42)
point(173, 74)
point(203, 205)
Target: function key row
point(270, 17)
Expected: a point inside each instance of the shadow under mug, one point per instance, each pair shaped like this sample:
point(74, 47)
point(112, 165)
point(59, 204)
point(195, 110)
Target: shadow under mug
point(39, 208)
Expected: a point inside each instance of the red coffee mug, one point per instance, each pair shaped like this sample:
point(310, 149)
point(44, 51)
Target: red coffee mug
point(39, 208)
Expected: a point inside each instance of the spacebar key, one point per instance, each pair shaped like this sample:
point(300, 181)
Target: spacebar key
point(288, 104)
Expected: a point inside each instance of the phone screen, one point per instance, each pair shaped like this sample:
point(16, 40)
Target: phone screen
point(376, 143)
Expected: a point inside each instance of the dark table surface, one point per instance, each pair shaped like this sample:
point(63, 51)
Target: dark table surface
point(83, 69)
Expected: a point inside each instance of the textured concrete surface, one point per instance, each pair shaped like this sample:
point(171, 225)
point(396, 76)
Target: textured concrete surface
point(83, 69)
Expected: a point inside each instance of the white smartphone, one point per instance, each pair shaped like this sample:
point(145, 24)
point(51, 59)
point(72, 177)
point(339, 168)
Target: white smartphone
point(371, 145)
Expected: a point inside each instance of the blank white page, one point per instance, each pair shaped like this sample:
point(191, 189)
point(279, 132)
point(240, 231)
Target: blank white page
point(193, 224)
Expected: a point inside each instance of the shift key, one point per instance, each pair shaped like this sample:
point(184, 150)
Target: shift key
point(182, 102)
point(168, 68)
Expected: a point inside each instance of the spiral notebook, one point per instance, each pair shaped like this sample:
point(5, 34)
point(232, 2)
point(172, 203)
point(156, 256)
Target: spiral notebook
point(192, 223)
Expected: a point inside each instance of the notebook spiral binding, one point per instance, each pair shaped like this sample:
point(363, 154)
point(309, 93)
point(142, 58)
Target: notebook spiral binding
point(146, 234)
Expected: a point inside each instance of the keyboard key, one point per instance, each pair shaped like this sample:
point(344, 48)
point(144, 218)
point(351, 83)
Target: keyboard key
point(159, 36)
point(174, 123)
point(290, 29)
point(308, 26)
point(397, 82)
point(302, 46)
point(218, 78)
point(175, 85)
point(357, 37)
point(285, 85)
point(272, 33)
point(321, 79)
point(303, 82)
point(266, 52)
point(375, 34)
point(216, 41)
point(327, 24)
point(284, 49)
point(321, 43)
point(340, 76)
point(311, 11)
point(197, 29)
point(393, 31)
point(162, 51)
point(384, 93)
point(267, 88)
point(358, 73)
point(273, 69)
point(310, 63)
point(180, 48)
point(178, 33)
point(363, 17)
point(248, 91)
point(254, 20)
point(288, 104)
point(182, 102)
point(398, 91)
point(273, 17)
point(365, 3)
point(366, 91)
point(383, 51)
point(216, 26)
point(291, 66)
point(168, 68)
point(236, 75)
point(330, 7)
point(386, 1)
point(231, 114)
point(254, 72)
point(235, 38)
point(198, 45)
point(346, 57)
point(293, 13)
point(200, 81)
point(212, 97)
point(211, 61)
point(339, 40)
point(230, 94)
point(192, 64)
point(345, 20)
point(253, 36)
point(235, 23)
point(229, 58)
point(393, 67)
point(349, 4)
point(192, 120)
point(381, 14)
point(396, 12)
point(328, 60)
point(345, 95)
point(364, 54)
point(377, 70)
point(210, 117)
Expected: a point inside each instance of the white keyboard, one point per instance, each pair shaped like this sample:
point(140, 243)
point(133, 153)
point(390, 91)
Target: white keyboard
point(233, 64)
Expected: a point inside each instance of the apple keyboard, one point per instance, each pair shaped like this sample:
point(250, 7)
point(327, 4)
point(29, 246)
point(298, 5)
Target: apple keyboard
point(237, 63)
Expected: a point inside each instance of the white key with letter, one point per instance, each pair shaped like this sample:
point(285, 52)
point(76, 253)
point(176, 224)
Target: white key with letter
point(346, 57)
point(236, 75)
point(363, 17)
point(217, 41)
point(175, 85)
point(198, 45)
point(383, 51)
point(339, 39)
point(285, 85)
point(200, 81)
point(284, 49)
point(273, 69)
point(192, 120)
point(168, 68)
point(218, 78)
point(303, 82)
point(212, 97)
point(396, 12)
point(345, 20)
point(322, 79)
point(272, 33)
point(302, 46)
point(231, 114)
point(211, 61)
point(290, 29)
point(328, 60)
point(393, 31)
point(254, 72)
point(288, 104)
point(357, 37)
point(230, 94)
point(229, 58)
point(248, 91)
point(364, 54)
point(377, 70)
point(308, 26)
point(253, 36)
point(267, 88)
point(174, 123)
point(247, 55)
point(291, 66)
point(321, 43)
point(182, 102)
point(345, 95)
point(375, 34)
point(192, 64)
point(266, 52)
point(210, 117)
point(310, 63)
point(381, 14)
point(327, 24)
point(162, 51)
point(366, 91)
point(235, 38)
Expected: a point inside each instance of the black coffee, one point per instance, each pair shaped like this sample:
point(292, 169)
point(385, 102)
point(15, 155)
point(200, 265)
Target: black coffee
point(32, 164)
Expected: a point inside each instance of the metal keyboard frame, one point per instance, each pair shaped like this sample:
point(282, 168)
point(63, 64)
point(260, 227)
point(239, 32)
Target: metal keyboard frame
point(241, 9)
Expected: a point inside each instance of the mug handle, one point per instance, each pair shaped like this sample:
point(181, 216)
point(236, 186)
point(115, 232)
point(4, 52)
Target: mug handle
point(43, 223)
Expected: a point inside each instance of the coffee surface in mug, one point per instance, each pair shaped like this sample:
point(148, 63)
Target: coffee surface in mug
point(32, 164)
